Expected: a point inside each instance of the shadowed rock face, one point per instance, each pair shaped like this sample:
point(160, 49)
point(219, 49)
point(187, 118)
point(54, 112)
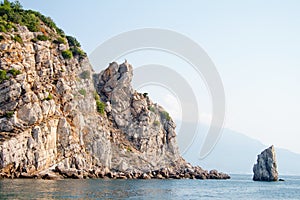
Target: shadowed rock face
point(266, 167)
point(50, 125)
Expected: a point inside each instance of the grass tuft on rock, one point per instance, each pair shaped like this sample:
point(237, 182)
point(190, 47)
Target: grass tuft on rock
point(100, 107)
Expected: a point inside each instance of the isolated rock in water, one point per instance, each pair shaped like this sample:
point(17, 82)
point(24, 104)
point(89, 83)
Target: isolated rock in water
point(266, 167)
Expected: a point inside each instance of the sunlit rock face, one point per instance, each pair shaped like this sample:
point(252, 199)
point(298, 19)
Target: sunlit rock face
point(49, 115)
point(58, 118)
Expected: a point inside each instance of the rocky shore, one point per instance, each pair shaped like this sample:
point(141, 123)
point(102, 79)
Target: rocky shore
point(186, 172)
point(164, 173)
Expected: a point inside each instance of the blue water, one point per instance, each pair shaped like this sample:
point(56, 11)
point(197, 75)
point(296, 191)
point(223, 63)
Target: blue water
point(239, 187)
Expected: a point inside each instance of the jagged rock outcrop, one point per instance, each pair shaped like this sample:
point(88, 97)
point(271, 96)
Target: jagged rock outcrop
point(58, 118)
point(266, 167)
point(146, 125)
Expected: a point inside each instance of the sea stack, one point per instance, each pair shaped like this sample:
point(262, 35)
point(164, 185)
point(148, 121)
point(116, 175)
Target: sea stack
point(266, 167)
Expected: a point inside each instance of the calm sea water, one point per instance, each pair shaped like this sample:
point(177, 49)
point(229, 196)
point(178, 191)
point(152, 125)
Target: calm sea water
point(239, 187)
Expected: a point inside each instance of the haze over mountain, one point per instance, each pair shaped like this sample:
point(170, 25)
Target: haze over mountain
point(237, 153)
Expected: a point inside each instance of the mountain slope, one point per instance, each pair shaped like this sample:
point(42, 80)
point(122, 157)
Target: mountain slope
point(237, 153)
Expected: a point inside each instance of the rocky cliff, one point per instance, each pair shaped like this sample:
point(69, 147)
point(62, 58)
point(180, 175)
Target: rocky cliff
point(266, 167)
point(58, 118)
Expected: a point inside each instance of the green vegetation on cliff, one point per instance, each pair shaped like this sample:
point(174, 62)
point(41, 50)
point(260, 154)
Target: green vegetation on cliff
point(3, 75)
point(165, 115)
point(100, 107)
point(75, 47)
point(67, 54)
point(12, 13)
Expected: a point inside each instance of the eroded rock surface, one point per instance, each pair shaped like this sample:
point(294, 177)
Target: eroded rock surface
point(266, 167)
point(58, 118)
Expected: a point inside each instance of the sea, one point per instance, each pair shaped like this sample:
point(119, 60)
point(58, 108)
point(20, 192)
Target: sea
point(238, 187)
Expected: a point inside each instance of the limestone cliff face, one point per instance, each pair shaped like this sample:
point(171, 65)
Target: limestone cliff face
point(58, 116)
point(47, 109)
point(49, 115)
point(266, 167)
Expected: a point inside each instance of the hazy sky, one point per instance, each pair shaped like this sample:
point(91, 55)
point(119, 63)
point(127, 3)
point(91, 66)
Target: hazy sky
point(255, 46)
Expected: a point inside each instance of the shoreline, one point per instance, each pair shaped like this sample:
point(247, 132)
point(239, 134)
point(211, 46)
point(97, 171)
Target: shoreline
point(192, 172)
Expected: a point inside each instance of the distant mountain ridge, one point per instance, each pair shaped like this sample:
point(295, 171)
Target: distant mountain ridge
point(236, 153)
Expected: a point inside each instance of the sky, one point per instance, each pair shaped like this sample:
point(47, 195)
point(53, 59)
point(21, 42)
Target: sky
point(255, 46)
